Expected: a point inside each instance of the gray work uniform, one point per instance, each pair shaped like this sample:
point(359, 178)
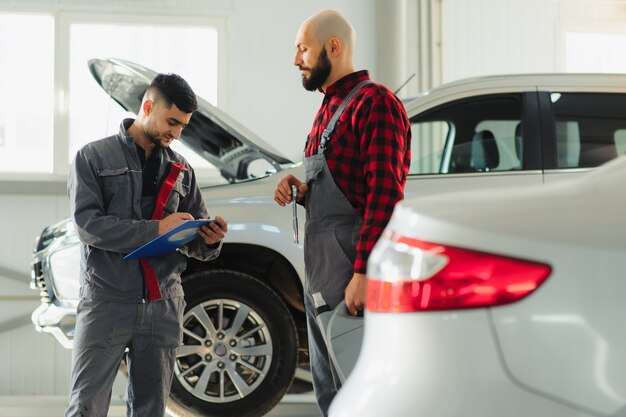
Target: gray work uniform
point(112, 219)
point(332, 231)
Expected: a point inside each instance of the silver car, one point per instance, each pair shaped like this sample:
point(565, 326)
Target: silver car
point(498, 303)
point(479, 133)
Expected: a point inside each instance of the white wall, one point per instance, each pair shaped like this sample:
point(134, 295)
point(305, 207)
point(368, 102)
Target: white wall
point(30, 363)
point(483, 37)
point(265, 90)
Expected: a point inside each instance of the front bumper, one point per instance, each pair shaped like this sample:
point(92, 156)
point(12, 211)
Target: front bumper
point(55, 316)
point(56, 321)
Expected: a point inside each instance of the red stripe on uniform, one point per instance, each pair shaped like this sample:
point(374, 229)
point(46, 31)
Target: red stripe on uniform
point(149, 275)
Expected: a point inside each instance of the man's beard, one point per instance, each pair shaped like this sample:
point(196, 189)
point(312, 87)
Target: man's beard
point(318, 74)
point(154, 138)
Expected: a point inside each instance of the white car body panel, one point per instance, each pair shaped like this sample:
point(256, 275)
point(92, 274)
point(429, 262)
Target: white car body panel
point(424, 185)
point(555, 175)
point(254, 217)
point(441, 367)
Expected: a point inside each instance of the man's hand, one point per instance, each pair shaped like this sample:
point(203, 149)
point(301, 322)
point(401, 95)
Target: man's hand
point(356, 293)
point(171, 221)
point(213, 232)
point(282, 195)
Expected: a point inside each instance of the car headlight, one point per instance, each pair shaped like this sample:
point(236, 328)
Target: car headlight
point(51, 233)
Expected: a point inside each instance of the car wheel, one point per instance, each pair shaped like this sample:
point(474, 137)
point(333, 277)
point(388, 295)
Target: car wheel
point(239, 350)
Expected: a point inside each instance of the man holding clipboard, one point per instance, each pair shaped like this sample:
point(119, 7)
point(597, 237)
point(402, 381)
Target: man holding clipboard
point(125, 191)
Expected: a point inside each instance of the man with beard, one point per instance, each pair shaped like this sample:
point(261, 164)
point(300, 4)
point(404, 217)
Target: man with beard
point(356, 161)
point(126, 190)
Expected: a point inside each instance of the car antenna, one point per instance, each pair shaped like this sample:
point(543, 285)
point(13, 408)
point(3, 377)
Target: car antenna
point(405, 83)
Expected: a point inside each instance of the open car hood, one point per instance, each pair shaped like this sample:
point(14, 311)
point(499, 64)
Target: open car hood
point(211, 133)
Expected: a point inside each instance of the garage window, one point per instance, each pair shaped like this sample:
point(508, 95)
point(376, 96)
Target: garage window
point(51, 105)
point(27, 91)
point(595, 52)
point(189, 51)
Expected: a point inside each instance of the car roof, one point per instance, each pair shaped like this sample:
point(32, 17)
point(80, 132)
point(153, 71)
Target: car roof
point(517, 83)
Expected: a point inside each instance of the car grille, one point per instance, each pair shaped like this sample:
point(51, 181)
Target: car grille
point(40, 282)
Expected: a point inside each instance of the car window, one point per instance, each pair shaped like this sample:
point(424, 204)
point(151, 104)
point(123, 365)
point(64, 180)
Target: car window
point(427, 145)
point(590, 128)
point(620, 141)
point(480, 134)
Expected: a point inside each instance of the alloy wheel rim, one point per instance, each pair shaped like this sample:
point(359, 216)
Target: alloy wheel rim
point(226, 353)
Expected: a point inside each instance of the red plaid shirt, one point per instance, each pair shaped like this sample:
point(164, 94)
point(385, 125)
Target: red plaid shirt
point(368, 154)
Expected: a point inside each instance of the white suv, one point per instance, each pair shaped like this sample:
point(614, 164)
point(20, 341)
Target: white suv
point(484, 132)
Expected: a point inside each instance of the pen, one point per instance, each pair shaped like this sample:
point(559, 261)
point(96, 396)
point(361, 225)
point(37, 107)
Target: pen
point(294, 194)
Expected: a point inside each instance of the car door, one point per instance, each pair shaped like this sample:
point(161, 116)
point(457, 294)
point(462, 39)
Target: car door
point(582, 131)
point(482, 141)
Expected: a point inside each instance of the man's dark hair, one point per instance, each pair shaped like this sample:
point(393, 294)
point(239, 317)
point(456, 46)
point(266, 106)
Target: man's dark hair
point(174, 90)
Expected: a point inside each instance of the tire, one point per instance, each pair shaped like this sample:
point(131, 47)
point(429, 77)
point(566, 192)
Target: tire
point(252, 354)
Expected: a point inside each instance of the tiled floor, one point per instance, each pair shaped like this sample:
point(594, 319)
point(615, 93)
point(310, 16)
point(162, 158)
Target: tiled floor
point(54, 406)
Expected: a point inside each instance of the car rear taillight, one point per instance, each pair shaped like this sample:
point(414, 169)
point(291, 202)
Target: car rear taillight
point(407, 275)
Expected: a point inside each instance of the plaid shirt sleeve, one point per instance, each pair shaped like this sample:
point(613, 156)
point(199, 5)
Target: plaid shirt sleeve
point(385, 145)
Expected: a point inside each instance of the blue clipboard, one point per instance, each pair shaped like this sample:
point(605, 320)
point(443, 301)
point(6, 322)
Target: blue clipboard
point(167, 242)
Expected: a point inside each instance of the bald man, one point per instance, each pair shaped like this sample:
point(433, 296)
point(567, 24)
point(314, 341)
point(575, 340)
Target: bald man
point(356, 161)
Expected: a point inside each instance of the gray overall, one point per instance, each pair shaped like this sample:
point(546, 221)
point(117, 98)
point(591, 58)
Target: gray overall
point(331, 234)
point(151, 331)
point(104, 330)
point(112, 218)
